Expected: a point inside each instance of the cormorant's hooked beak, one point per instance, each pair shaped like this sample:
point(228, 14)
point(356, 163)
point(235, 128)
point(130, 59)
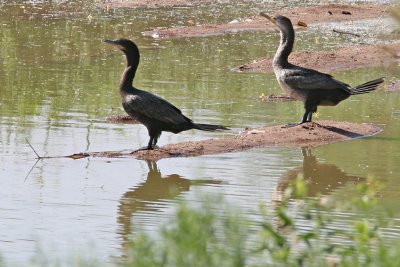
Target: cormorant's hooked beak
point(112, 42)
point(272, 19)
point(108, 41)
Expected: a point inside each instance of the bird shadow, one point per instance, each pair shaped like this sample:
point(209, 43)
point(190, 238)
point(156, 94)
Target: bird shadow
point(340, 131)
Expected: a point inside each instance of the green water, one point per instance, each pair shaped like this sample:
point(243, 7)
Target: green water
point(59, 83)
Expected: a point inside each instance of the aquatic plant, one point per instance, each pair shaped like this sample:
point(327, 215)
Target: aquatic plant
point(194, 237)
point(204, 237)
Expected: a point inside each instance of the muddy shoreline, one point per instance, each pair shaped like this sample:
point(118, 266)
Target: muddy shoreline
point(326, 61)
point(305, 135)
point(149, 3)
point(310, 15)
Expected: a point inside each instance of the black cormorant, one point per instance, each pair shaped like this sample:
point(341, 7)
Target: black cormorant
point(310, 86)
point(152, 111)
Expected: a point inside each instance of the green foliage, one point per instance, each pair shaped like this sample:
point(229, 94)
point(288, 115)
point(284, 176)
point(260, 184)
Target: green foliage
point(203, 237)
point(195, 237)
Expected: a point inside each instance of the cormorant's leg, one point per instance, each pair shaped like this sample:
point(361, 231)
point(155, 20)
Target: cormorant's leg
point(304, 120)
point(152, 141)
point(311, 110)
point(155, 139)
point(309, 116)
point(306, 116)
point(148, 147)
point(150, 144)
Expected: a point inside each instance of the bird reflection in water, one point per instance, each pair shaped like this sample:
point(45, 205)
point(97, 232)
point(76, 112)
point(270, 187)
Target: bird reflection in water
point(144, 196)
point(321, 178)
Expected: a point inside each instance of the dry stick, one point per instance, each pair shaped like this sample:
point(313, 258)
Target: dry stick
point(379, 20)
point(73, 156)
point(34, 165)
point(345, 32)
point(365, 35)
point(38, 157)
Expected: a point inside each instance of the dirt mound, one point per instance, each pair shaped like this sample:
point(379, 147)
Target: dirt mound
point(122, 119)
point(304, 135)
point(326, 61)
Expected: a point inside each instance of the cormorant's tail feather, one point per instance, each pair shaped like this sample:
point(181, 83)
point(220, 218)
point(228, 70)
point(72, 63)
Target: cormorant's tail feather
point(209, 127)
point(366, 87)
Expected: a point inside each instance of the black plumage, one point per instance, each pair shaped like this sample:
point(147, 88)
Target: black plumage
point(154, 112)
point(312, 87)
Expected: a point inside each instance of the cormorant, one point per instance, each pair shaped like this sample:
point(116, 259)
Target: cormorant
point(152, 111)
point(310, 86)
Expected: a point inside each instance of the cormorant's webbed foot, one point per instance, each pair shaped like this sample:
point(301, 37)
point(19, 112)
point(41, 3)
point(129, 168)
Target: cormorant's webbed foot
point(145, 148)
point(306, 118)
point(292, 124)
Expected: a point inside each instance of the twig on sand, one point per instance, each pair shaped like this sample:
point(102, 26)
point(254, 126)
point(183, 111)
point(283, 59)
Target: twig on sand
point(368, 32)
point(346, 32)
point(379, 20)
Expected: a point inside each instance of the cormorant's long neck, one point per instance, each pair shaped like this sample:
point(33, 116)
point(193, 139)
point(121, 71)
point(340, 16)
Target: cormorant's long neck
point(132, 63)
point(285, 47)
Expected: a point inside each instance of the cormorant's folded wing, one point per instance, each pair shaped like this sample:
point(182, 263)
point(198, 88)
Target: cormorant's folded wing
point(308, 79)
point(154, 108)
